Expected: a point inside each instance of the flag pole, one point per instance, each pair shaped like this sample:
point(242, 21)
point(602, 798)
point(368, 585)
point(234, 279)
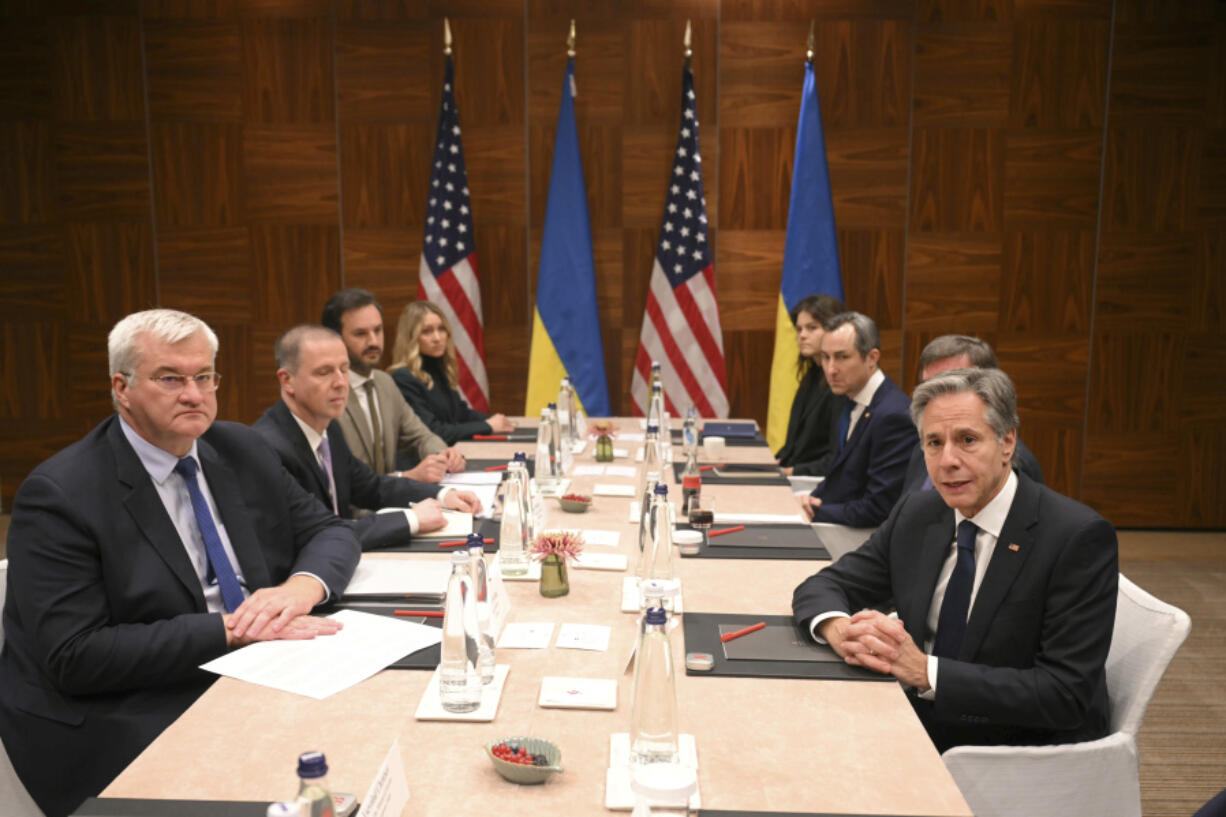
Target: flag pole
point(446, 37)
point(689, 52)
point(570, 40)
point(812, 42)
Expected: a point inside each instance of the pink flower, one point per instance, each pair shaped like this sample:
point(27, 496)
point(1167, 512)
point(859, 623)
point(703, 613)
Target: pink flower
point(565, 543)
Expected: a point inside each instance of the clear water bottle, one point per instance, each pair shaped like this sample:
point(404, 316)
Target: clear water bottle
point(653, 713)
point(547, 464)
point(657, 563)
point(313, 791)
point(481, 588)
point(459, 679)
point(566, 413)
point(691, 483)
point(512, 547)
point(534, 506)
point(689, 431)
point(666, 438)
point(656, 385)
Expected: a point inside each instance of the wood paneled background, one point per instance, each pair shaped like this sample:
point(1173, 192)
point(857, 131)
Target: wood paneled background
point(1049, 174)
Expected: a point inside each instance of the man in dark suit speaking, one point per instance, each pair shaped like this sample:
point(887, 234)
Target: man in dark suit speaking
point(302, 427)
point(872, 431)
point(153, 545)
point(1005, 590)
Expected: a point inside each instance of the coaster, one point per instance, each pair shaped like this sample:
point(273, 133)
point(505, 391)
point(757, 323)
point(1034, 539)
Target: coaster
point(617, 793)
point(431, 706)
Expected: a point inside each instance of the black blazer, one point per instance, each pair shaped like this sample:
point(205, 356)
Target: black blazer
point(105, 619)
point(356, 484)
point(809, 425)
point(440, 407)
point(863, 480)
point(1024, 462)
point(1031, 666)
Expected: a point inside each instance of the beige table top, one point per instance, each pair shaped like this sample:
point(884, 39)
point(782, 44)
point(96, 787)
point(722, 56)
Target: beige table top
point(765, 744)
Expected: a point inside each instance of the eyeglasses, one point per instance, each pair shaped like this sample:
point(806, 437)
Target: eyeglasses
point(176, 383)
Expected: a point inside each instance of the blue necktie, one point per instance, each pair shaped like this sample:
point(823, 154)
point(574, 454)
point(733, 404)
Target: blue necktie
point(844, 423)
point(231, 591)
point(951, 623)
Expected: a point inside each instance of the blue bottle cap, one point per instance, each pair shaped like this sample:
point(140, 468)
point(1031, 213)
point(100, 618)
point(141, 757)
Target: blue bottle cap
point(553, 405)
point(312, 765)
point(520, 456)
point(653, 428)
point(476, 540)
point(661, 489)
point(656, 616)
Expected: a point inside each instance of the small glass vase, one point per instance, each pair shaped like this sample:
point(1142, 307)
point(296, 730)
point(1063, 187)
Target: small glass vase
point(604, 448)
point(554, 579)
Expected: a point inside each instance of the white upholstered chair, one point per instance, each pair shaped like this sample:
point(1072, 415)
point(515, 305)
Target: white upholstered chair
point(14, 800)
point(1097, 777)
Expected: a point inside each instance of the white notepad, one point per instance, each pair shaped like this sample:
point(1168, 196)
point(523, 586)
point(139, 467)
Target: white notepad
point(578, 693)
point(431, 706)
point(601, 561)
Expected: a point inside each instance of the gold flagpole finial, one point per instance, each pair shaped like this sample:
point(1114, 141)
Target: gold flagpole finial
point(446, 36)
point(812, 42)
point(688, 51)
point(570, 40)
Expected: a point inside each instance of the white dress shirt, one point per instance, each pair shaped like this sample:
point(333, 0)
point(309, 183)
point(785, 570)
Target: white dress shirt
point(172, 490)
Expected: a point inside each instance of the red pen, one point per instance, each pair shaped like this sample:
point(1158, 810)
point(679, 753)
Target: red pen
point(426, 613)
point(489, 436)
point(738, 633)
point(705, 467)
point(722, 531)
point(455, 543)
point(496, 468)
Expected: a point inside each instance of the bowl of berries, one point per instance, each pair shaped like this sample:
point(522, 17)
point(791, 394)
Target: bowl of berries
point(575, 503)
point(524, 760)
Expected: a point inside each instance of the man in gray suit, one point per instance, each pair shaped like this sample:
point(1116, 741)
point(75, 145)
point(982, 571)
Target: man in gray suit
point(381, 429)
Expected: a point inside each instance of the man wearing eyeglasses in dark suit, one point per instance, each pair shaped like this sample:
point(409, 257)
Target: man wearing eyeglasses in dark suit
point(156, 543)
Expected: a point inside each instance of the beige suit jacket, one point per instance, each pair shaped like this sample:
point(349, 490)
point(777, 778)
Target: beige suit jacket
point(402, 428)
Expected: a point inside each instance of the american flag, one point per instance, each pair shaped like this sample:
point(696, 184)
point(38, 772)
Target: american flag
point(448, 273)
point(681, 322)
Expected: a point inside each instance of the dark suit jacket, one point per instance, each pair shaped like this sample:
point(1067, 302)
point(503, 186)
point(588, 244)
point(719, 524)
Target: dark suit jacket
point(356, 483)
point(439, 406)
point(1031, 666)
point(863, 480)
point(1024, 462)
point(809, 426)
point(105, 619)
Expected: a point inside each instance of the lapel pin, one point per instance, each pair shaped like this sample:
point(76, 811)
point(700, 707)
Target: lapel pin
point(1014, 548)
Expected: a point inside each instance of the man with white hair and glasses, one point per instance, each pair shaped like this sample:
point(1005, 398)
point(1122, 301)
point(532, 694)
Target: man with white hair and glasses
point(156, 543)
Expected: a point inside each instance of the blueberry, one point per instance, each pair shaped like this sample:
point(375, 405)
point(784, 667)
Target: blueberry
point(514, 747)
point(540, 760)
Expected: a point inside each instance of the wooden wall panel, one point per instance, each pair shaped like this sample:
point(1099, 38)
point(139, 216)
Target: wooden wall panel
point(989, 175)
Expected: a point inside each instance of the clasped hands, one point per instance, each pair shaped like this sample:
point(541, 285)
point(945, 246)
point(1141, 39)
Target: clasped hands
point(873, 640)
point(280, 612)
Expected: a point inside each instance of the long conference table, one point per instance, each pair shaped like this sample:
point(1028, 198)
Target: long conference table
point(771, 745)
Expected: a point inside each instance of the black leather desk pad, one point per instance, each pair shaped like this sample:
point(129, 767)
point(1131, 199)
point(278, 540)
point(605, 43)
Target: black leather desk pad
point(788, 541)
point(702, 635)
point(749, 474)
point(426, 658)
point(488, 528)
point(141, 807)
point(735, 442)
point(491, 462)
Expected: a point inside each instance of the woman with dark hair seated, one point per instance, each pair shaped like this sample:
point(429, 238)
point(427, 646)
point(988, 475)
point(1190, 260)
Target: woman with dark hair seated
point(424, 367)
point(808, 442)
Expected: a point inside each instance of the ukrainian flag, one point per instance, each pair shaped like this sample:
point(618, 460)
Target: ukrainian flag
point(810, 254)
point(566, 325)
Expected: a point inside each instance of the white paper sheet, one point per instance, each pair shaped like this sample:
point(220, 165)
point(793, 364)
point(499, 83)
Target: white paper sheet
point(323, 666)
point(605, 538)
point(621, 453)
point(584, 637)
point(467, 478)
point(378, 576)
point(588, 470)
point(601, 561)
point(631, 436)
point(526, 635)
point(578, 693)
point(729, 517)
point(627, 471)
